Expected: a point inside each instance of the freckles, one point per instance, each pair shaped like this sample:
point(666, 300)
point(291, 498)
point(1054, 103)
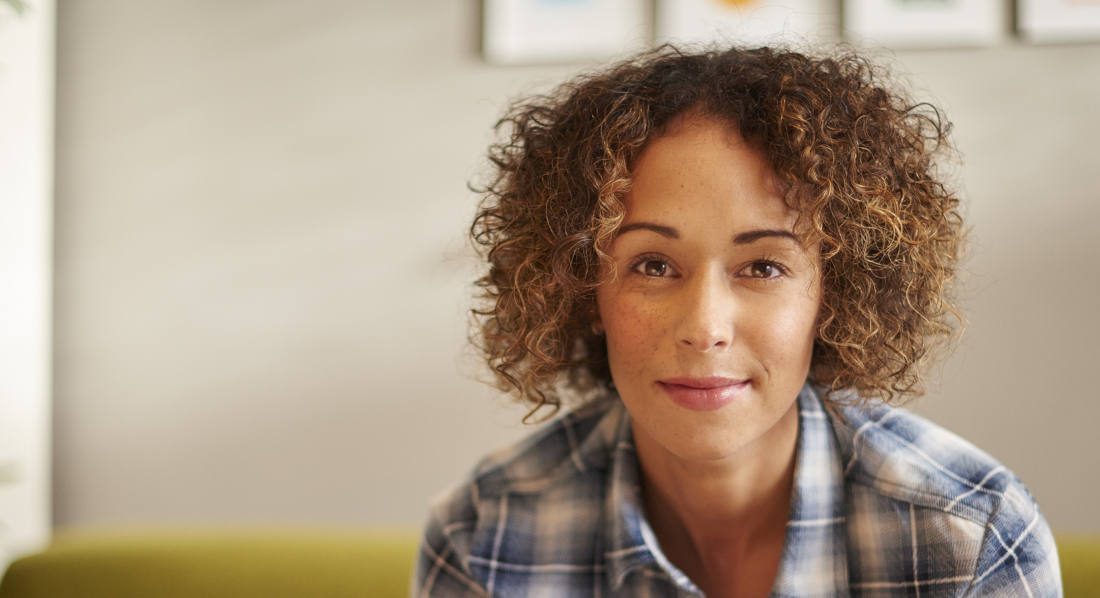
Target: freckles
point(635, 319)
point(785, 335)
point(635, 332)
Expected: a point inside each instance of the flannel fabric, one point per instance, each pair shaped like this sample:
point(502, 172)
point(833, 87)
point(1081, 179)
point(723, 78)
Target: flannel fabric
point(884, 504)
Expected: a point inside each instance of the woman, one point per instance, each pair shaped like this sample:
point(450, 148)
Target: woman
point(730, 262)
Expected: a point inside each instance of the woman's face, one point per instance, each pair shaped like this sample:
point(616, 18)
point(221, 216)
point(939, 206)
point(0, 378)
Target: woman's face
point(710, 313)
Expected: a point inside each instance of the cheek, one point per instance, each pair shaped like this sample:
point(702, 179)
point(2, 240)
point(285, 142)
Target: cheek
point(632, 327)
point(786, 333)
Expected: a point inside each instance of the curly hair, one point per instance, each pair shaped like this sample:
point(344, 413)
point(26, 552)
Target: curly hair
point(858, 160)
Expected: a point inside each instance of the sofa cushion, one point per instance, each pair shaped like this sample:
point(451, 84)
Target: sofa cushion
point(216, 563)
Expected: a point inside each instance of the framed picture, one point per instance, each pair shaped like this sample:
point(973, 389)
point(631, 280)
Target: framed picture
point(744, 22)
point(543, 31)
point(925, 23)
point(1046, 21)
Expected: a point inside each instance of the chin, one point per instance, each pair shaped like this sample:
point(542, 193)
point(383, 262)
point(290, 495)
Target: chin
point(707, 453)
point(705, 445)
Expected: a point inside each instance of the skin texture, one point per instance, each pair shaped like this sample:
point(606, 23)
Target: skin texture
point(710, 279)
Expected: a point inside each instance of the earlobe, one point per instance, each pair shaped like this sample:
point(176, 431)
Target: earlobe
point(597, 322)
point(597, 326)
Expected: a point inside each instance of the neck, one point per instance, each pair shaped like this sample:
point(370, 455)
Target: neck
point(707, 514)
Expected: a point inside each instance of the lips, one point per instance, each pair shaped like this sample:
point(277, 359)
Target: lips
point(703, 394)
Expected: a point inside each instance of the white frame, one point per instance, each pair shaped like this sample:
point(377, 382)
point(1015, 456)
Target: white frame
point(558, 31)
point(26, 201)
point(750, 23)
point(925, 23)
point(1054, 21)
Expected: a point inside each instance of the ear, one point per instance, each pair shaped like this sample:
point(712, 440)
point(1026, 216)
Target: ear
point(597, 321)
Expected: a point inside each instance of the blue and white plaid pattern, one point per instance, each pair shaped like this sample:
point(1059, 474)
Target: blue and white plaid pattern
point(885, 504)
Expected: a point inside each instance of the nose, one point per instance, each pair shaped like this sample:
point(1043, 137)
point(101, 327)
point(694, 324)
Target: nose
point(707, 312)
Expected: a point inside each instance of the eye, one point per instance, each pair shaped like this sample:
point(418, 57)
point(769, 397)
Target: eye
point(653, 267)
point(764, 269)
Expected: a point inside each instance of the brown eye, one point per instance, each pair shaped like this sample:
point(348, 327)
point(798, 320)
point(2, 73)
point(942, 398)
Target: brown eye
point(762, 270)
point(655, 268)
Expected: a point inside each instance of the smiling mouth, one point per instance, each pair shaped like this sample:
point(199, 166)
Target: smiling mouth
point(703, 394)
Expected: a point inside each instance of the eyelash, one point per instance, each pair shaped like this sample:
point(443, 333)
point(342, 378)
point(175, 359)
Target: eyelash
point(642, 259)
point(770, 262)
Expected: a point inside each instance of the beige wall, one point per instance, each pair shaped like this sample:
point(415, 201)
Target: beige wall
point(261, 275)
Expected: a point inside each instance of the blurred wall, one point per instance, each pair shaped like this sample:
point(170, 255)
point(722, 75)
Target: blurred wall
point(261, 272)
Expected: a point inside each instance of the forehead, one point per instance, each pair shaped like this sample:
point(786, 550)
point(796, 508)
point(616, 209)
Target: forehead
point(703, 169)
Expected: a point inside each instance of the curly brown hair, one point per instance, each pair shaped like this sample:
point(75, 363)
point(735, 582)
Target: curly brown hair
point(858, 160)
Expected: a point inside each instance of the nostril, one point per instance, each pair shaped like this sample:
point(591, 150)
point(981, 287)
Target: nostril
point(705, 341)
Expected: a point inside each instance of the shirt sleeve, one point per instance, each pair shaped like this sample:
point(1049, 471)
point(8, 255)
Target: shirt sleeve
point(1018, 557)
point(441, 570)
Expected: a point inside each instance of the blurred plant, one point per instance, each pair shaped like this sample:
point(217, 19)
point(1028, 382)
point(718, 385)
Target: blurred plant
point(9, 473)
point(17, 5)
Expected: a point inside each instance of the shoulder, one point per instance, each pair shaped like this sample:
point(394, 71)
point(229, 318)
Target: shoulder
point(576, 442)
point(546, 486)
point(914, 488)
point(905, 456)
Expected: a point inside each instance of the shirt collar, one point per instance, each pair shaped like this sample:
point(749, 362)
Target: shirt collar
point(814, 561)
point(815, 549)
point(625, 546)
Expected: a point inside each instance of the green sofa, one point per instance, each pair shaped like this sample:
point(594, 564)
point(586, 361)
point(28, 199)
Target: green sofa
point(277, 564)
point(217, 564)
point(1080, 559)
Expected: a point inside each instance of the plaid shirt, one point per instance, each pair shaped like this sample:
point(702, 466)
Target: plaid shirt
point(884, 504)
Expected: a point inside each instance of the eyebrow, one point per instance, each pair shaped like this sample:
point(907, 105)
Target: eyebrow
point(664, 231)
point(755, 235)
point(744, 238)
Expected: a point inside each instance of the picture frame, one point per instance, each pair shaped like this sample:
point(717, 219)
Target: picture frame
point(743, 22)
point(559, 31)
point(900, 24)
point(1059, 21)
